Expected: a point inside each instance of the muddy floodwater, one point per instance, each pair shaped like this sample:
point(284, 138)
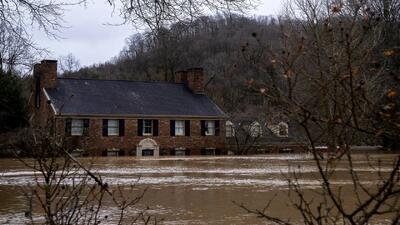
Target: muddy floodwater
point(200, 190)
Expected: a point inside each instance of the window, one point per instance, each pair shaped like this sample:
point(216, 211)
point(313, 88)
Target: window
point(255, 130)
point(230, 131)
point(210, 128)
point(113, 128)
point(113, 152)
point(77, 152)
point(77, 127)
point(147, 127)
point(283, 129)
point(180, 151)
point(208, 151)
point(179, 127)
point(182, 127)
point(148, 152)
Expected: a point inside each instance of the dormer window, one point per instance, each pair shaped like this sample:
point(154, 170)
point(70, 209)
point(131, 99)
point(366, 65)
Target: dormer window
point(255, 129)
point(280, 130)
point(283, 129)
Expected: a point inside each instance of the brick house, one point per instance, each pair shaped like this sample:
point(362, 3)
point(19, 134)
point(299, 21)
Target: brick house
point(118, 117)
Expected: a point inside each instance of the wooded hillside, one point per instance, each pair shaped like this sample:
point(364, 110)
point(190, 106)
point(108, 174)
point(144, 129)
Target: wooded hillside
point(227, 47)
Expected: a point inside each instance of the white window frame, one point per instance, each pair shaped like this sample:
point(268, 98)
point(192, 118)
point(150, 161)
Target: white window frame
point(76, 127)
point(113, 127)
point(182, 151)
point(283, 126)
point(255, 129)
point(229, 129)
point(179, 128)
point(210, 150)
point(210, 128)
point(112, 152)
point(147, 126)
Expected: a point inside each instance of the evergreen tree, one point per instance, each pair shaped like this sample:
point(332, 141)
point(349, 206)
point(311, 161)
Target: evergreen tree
point(13, 107)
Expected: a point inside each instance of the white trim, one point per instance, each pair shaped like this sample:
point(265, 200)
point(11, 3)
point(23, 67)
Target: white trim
point(229, 127)
point(48, 99)
point(286, 127)
point(148, 143)
point(256, 129)
point(81, 127)
point(144, 128)
point(183, 128)
point(207, 122)
point(181, 150)
point(112, 152)
point(112, 127)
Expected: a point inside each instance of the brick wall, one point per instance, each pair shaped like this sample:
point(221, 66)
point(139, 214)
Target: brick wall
point(46, 74)
point(95, 143)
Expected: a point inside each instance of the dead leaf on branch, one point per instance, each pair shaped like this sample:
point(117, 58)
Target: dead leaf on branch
point(250, 83)
point(288, 73)
point(355, 71)
point(379, 132)
point(389, 53)
point(336, 8)
point(392, 93)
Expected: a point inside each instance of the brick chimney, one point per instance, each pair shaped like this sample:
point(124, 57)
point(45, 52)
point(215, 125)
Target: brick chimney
point(193, 78)
point(46, 71)
point(44, 76)
point(181, 77)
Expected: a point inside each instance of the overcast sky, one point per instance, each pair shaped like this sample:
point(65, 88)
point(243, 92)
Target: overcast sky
point(91, 40)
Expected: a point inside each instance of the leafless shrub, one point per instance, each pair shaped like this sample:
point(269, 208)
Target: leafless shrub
point(65, 191)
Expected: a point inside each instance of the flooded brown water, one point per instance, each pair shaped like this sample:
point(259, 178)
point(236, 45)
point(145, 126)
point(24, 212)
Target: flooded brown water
point(199, 190)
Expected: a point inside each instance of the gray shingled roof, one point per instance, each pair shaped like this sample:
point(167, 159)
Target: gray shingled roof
point(116, 97)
